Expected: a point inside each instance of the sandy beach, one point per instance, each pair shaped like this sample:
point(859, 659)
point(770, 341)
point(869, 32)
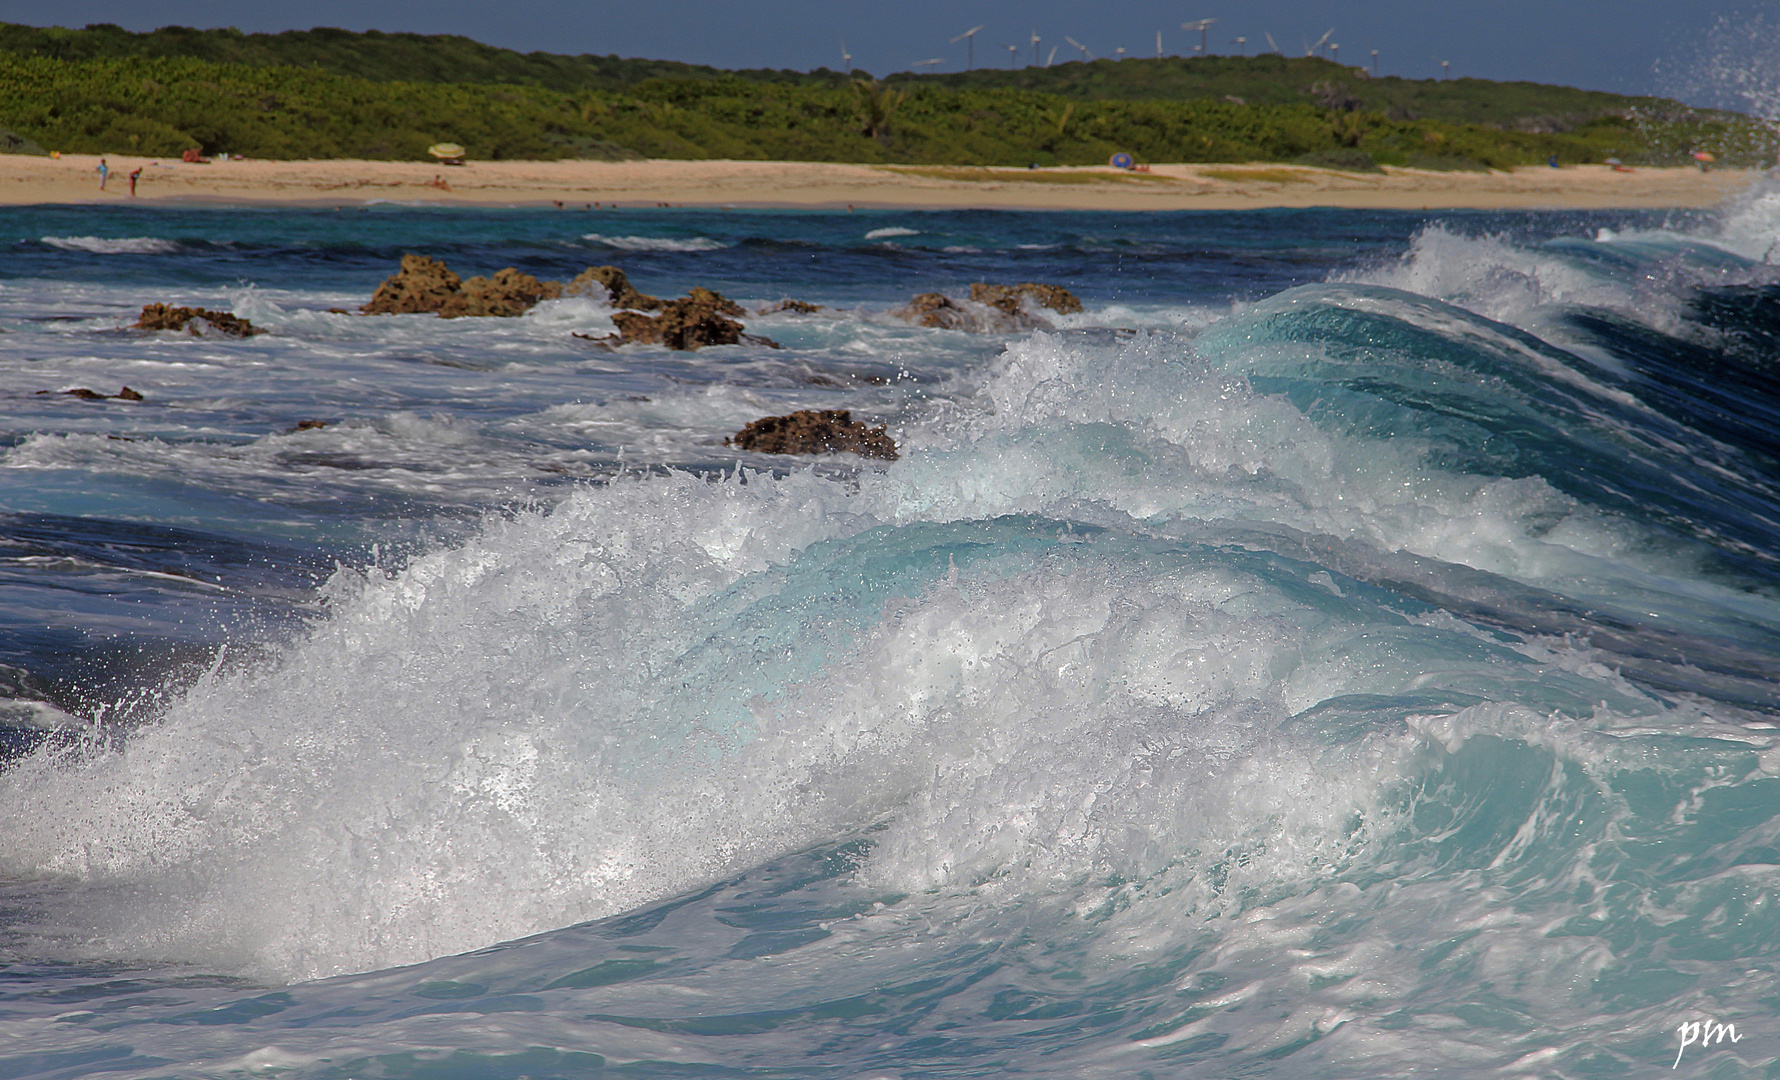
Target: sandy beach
point(72, 179)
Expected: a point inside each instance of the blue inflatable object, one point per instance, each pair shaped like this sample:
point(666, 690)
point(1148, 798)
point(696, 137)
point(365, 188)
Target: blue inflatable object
point(1121, 161)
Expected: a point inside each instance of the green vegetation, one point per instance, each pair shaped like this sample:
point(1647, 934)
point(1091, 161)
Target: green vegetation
point(328, 93)
point(374, 56)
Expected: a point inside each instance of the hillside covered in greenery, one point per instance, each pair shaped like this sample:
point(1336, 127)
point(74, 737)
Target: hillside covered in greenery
point(373, 55)
point(1269, 79)
point(107, 91)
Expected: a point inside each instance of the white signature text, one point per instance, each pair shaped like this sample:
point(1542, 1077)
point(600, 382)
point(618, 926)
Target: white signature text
point(1703, 1034)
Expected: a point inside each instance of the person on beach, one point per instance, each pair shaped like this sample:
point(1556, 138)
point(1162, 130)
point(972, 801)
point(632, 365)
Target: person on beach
point(135, 174)
point(104, 172)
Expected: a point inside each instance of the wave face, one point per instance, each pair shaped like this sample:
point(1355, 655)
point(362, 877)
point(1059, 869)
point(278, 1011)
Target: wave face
point(1301, 663)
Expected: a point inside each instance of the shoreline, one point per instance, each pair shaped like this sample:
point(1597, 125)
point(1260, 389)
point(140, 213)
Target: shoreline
point(72, 180)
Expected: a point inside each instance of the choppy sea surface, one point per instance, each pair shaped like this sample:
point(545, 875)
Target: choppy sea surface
point(1348, 648)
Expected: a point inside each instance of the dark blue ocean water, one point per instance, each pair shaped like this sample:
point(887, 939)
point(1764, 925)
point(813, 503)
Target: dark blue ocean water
point(1347, 648)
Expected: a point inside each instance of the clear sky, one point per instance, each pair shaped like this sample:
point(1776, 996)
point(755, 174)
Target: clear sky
point(1630, 46)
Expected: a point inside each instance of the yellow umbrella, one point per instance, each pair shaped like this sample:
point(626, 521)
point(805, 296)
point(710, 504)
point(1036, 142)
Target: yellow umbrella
point(446, 151)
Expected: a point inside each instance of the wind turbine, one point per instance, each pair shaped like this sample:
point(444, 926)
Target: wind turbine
point(969, 37)
point(1241, 44)
point(1158, 44)
point(1085, 54)
point(1200, 25)
point(1035, 40)
point(1013, 53)
point(1446, 69)
point(1375, 63)
point(846, 60)
point(1319, 42)
point(1335, 52)
point(1271, 44)
point(1120, 51)
point(928, 63)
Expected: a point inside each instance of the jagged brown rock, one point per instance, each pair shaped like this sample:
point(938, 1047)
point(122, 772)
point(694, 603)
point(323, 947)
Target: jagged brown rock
point(706, 298)
point(619, 291)
point(86, 394)
point(796, 307)
point(167, 317)
point(508, 294)
point(812, 431)
point(422, 285)
point(990, 308)
point(692, 322)
point(936, 310)
point(681, 325)
point(425, 284)
point(1007, 297)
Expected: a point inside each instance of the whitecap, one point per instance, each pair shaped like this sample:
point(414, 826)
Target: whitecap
point(105, 245)
point(657, 243)
point(883, 234)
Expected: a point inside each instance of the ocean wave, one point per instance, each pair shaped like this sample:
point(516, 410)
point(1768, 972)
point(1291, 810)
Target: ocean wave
point(106, 245)
point(657, 243)
point(894, 230)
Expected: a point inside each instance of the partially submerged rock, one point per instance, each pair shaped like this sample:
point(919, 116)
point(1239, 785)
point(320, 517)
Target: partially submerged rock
point(422, 285)
point(938, 311)
point(991, 308)
point(795, 307)
point(167, 317)
point(692, 322)
point(619, 292)
point(426, 285)
point(508, 294)
point(1009, 298)
point(85, 394)
point(812, 431)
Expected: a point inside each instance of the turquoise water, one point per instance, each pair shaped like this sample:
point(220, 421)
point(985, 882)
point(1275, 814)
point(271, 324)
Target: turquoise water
point(1346, 649)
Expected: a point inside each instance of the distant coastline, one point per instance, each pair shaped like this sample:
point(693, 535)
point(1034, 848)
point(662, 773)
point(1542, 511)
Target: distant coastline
point(578, 185)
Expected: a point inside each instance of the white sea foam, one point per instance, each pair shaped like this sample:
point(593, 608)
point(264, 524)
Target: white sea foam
point(1750, 224)
point(893, 230)
point(103, 245)
point(657, 243)
point(1495, 277)
point(525, 731)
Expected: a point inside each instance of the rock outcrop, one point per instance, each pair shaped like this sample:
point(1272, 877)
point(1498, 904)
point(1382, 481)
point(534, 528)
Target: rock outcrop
point(619, 292)
point(700, 318)
point(508, 294)
point(689, 323)
point(938, 311)
point(167, 317)
point(811, 431)
point(795, 307)
point(422, 285)
point(87, 394)
point(1008, 298)
point(692, 322)
point(991, 308)
point(425, 284)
